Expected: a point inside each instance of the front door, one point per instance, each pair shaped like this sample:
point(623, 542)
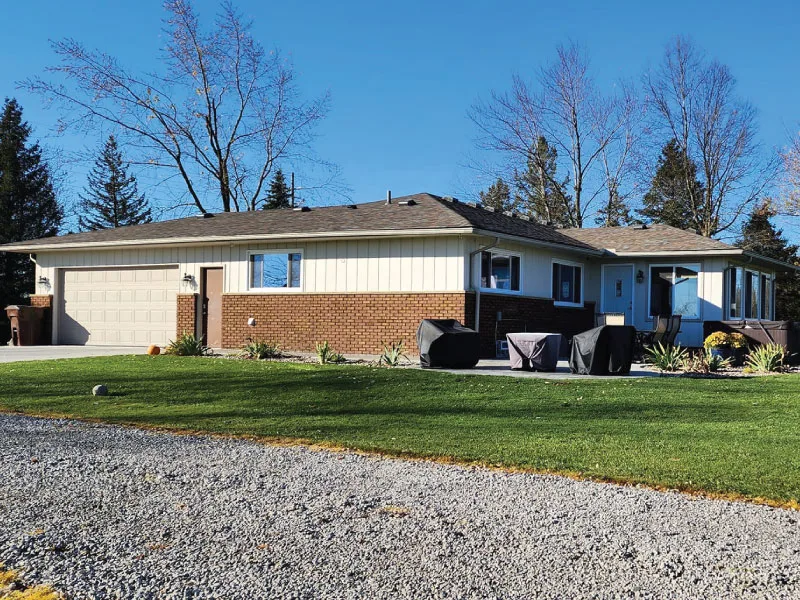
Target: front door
point(618, 291)
point(212, 307)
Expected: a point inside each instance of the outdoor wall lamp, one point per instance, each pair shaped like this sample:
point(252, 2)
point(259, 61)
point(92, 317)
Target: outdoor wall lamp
point(640, 276)
point(188, 278)
point(44, 280)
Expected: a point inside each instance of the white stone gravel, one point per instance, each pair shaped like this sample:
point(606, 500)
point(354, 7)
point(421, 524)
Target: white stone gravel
point(109, 512)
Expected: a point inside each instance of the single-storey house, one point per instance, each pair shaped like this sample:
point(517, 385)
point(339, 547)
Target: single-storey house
point(365, 274)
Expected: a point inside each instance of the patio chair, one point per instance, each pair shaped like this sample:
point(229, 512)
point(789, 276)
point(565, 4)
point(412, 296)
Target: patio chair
point(673, 330)
point(660, 330)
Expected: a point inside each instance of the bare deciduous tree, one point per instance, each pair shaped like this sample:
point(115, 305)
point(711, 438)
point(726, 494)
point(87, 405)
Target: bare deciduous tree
point(619, 122)
point(222, 114)
point(791, 165)
point(695, 103)
point(564, 110)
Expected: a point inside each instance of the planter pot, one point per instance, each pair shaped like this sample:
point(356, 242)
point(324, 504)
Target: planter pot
point(735, 355)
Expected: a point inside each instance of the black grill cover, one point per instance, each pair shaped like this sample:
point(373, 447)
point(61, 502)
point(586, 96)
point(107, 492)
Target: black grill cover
point(446, 343)
point(606, 350)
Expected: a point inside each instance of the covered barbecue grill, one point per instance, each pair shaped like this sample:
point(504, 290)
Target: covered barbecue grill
point(606, 350)
point(446, 343)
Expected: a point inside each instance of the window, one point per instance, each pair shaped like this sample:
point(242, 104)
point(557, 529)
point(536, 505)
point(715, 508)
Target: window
point(749, 294)
point(766, 297)
point(673, 290)
point(567, 283)
point(500, 271)
point(275, 270)
point(752, 296)
point(735, 293)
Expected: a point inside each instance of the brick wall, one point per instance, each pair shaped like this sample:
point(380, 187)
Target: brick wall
point(352, 323)
point(187, 314)
point(45, 301)
point(538, 314)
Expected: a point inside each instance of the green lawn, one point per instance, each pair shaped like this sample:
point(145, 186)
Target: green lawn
point(726, 436)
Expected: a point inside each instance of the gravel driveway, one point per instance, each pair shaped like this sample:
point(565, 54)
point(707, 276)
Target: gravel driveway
point(107, 512)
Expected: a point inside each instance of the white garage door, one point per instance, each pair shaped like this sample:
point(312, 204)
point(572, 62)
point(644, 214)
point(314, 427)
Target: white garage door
point(133, 306)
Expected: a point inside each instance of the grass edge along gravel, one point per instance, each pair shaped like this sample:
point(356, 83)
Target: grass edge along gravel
point(719, 438)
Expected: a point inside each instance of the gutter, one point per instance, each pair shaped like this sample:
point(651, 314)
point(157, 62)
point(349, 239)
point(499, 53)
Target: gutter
point(472, 286)
point(542, 244)
point(223, 240)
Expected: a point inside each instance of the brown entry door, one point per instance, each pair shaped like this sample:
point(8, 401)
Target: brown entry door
point(212, 307)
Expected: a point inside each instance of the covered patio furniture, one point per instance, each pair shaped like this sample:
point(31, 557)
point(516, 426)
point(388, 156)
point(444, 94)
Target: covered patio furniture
point(534, 351)
point(446, 343)
point(606, 350)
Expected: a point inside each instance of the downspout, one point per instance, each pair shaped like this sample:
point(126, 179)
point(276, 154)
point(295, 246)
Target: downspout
point(472, 286)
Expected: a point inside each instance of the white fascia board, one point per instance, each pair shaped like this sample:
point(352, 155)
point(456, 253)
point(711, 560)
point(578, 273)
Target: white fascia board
point(224, 240)
point(694, 253)
point(538, 243)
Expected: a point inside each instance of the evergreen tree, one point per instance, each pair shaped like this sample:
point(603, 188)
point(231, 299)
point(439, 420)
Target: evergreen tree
point(279, 194)
point(761, 236)
point(498, 196)
point(540, 193)
point(616, 212)
point(112, 197)
point(28, 206)
point(668, 201)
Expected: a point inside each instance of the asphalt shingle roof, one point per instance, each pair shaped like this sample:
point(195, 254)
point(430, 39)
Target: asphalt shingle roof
point(655, 238)
point(426, 211)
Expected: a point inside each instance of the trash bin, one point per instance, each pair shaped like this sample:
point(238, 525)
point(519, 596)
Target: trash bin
point(26, 324)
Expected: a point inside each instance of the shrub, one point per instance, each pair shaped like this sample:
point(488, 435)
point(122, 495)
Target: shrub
point(326, 354)
point(738, 341)
point(187, 345)
point(667, 358)
point(260, 350)
point(768, 358)
point(392, 354)
point(704, 361)
point(718, 339)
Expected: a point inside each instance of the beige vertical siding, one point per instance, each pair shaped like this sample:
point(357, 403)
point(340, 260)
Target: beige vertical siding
point(378, 265)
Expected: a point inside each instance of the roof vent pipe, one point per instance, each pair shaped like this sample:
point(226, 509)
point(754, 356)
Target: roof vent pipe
point(388, 196)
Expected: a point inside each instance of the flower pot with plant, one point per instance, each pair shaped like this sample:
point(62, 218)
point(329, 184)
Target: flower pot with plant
point(727, 346)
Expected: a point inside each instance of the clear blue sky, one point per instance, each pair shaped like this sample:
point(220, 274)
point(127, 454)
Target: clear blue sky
point(403, 74)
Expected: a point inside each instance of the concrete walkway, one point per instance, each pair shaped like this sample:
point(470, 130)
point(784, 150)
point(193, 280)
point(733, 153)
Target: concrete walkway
point(25, 353)
point(492, 366)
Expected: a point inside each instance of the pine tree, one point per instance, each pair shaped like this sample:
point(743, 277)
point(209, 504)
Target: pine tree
point(668, 199)
point(279, 195)
point(540, 193)
point(112, 197)
point(28, 205)
point(498, 196)
point(616, 212)
point(759, 235)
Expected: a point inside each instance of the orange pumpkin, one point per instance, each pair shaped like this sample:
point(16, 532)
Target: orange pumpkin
point(152, 350)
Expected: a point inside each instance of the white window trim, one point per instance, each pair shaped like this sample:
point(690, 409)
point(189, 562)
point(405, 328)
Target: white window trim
point(276, 290)
point(498, 252)
point(698, 267)
point(569, 263)
point(727, 299)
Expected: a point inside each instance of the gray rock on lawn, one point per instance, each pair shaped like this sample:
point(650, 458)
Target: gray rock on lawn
point(100, 390)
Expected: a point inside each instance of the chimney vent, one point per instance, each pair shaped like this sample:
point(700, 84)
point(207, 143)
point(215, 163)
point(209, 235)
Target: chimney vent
point(388, 196)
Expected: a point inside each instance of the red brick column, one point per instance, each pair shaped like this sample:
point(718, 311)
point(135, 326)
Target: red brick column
point(187, 314)
point(355, 323)
point(539, 314)
point(45, 301)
